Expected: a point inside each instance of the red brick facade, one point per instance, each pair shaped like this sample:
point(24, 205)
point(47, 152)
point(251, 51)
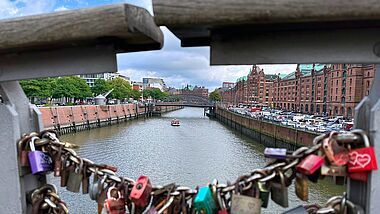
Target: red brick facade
point(314, 88)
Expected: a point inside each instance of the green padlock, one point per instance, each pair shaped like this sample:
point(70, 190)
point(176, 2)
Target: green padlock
point(204, 202)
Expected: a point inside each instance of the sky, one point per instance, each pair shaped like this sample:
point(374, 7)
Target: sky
point(176, 65)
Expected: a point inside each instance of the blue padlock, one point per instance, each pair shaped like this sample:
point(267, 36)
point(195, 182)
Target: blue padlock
point(276, 153)
point(40, 162)
point(204, 202)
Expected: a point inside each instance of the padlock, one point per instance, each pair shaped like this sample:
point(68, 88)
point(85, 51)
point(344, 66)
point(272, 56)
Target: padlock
point(277, 153)
point(264, 193)
point(242, 204)
point(86, 179)
point(362, 159)
point(66, 168)
point(23, 150)
point(75, 178)
point(338, 173)
point(297, 210)
point(279, 191)
point(58, 162)
point(40, 162)
point(334, 170)
point(152, 210)
point(302, 187)
point(114, 204)
point(336, 155)
point(310, 164)
point(94, 186)
point(359, 176)
point(140, 193)
point(204, 202)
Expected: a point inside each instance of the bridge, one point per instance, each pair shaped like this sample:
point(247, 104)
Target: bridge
point(185, 104)
point(187, 100)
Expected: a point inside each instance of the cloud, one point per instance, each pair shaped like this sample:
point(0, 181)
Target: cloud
point(178, 66)
point(12, 8)
point(61, 8)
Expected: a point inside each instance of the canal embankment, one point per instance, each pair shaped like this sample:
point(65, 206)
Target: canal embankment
point(66, 119)
point(269, 134)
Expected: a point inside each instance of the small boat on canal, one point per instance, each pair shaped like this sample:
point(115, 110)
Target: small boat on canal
point(175, 122)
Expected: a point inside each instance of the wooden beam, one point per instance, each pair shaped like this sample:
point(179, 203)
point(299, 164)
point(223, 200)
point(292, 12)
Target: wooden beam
point(128, 28)
point(174, 13)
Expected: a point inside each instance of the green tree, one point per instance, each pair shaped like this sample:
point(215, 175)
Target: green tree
point(135, 94)
point(100, 86)
point(215, 96)
point(38, 88)
point(155, 94)
point(71, 87)
point(121, 88)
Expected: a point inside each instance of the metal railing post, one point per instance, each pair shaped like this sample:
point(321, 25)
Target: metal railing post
point(367, 117)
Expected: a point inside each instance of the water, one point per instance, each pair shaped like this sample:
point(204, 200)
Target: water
point(193, 154)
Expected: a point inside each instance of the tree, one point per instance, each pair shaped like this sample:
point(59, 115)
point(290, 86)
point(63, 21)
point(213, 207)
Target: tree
point(215, 96)
point(40, 88)
point(155, 94)
point(100, 86)
point(122, 88)
point(135, 94)
point(71, 87)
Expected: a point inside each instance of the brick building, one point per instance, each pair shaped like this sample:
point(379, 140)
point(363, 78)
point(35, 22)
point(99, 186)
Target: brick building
point(313, 88)
point(195, 91)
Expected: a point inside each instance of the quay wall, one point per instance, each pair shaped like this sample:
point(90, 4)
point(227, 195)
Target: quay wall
point(269, 134)
point(66, 119)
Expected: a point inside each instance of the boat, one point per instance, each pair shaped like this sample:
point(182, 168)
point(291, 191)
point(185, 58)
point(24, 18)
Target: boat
point(175, 122)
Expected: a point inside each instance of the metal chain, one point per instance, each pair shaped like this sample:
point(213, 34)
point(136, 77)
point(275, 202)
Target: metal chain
point(49, 140)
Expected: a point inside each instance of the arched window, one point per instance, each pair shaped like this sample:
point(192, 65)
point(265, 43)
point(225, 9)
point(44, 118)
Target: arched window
point(342, 110)
point(306, 108)
point(336, 111)
point(311, 108)
point(301, 107)
point(317, 109)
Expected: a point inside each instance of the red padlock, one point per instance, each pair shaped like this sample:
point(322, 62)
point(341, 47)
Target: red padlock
point(115, 203)
point(336, 155)
point(310, 164)
point(359, 176)
point(363, 159)
point(140, 193)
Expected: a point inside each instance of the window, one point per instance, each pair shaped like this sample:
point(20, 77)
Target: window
point(336, 98)
point(349, 98)
point(350, 81)
point(337, 82)
point(350, 90)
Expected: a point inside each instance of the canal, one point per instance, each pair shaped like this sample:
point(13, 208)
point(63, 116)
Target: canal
point(193, 154)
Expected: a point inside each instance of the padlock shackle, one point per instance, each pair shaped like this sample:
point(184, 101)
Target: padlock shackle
point(109, 191)
point(363, 135)
point(31, 143)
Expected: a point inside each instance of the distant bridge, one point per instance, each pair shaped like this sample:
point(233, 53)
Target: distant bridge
point(184, 104)
point(187, 100)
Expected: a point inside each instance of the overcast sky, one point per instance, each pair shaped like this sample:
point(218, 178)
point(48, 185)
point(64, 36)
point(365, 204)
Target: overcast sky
point(177, 66)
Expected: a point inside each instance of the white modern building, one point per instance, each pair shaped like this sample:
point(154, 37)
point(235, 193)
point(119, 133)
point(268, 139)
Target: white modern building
point(90, 78)
point(154, 83)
